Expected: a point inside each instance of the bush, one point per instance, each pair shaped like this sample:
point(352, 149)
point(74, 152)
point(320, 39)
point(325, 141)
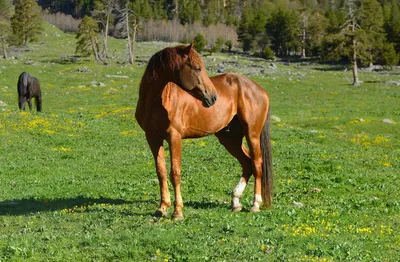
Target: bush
point(219, 42)
point(199, 42)
point(389, 56)
point(268, 53)
point(229, 45)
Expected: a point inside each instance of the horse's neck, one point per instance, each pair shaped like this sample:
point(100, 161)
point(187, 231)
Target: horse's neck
point(153, 86)
point(150, 95)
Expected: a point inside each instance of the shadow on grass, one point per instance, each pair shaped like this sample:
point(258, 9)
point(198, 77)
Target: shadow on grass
point(330, 68)
point(31, 205)
point(205, 205)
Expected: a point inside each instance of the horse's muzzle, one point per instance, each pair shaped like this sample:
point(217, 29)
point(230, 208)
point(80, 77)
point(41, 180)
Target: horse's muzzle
point(209, 100)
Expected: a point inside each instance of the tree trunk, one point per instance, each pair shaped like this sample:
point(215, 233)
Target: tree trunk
point(355, 74)
point(25, 40)
point(133, 41)
point(129, 39)
point(5, 51)
point(176, 8)
point(303, 37)
point(105, 49)
point(94, 48)
point(355, 68)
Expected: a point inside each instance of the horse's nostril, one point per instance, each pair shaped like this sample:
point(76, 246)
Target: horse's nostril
point(214, 98)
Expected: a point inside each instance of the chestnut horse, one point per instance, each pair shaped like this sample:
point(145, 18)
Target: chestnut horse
point(178, 100)
point(28, 87)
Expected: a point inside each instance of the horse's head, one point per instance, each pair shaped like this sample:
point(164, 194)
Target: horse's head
point(192, 76)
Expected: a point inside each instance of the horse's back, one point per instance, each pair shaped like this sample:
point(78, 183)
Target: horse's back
point(250, 99)
point(240, 86)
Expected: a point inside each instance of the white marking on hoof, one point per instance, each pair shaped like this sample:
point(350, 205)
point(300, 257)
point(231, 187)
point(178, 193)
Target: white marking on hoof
point(237, 209)
point(237, 194)
point(255, 209)
point(236, 206)
point(257, 201)
point(238, 190)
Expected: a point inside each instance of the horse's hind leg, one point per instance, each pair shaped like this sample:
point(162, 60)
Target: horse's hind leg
point(29, 103)
point(157, 148)
point(38, 101)
point(232, 139)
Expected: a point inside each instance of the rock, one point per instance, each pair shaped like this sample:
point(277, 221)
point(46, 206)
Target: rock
point(297, 204)
point(397, 83)
point(83, 70)
point(101, 84)
point(2, 103)
point(315, 190)
point(389, 121)
point(29, 62)
point(275, 118)
point(116, 76)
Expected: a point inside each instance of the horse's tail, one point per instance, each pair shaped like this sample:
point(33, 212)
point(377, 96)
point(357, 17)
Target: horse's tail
point(22, 81)
point(21, 87)
point(267, 171)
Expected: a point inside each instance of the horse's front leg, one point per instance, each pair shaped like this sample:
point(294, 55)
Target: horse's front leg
point(157, 148)
point(175, 145)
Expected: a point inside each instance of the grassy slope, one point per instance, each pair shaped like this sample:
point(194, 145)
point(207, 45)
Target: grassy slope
point(78, 180)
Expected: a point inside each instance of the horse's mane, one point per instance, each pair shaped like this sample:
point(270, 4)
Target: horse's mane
point(166, 61)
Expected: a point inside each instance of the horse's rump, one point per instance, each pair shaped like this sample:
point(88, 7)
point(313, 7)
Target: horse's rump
point(23, 81)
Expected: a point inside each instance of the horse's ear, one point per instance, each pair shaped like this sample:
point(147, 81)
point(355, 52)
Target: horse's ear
point(189, 48)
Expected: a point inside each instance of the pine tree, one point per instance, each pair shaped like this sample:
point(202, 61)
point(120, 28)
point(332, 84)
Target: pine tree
point(87, 37)
point(142, 9)
point(316, 28)
point(128, 25)
point(283, 30)
point(83, 7)
point(190, 12)
point(103, 13)
point(251, 30)
point(232, 12)
point(214, 12)
point(26, 22)
point(392, 24)
point(372, 21)
point(5, 25)
point(159, 9)
point(360, 35)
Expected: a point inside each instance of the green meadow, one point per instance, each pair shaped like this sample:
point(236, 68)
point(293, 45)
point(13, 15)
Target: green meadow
point(78, 182)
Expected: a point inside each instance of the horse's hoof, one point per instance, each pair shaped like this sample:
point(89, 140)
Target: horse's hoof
point(237, 208)
point(178, 217)
point(255, 209)
point(160, 213)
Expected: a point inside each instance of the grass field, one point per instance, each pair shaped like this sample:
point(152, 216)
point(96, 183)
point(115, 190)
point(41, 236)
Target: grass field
point(78, 181)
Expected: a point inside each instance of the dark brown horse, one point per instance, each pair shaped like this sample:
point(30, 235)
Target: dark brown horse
point(28, 88)
point(178, 100)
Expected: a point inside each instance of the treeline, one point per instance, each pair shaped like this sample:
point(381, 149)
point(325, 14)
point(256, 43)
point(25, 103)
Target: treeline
point(320, 28)
point(357, 31)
